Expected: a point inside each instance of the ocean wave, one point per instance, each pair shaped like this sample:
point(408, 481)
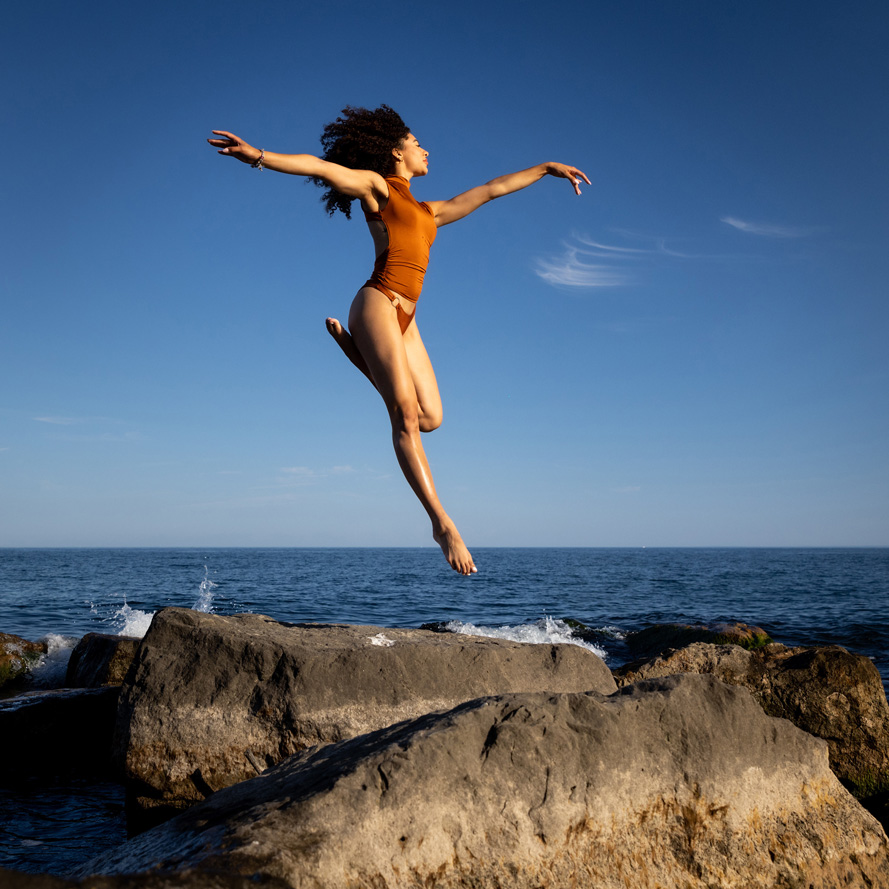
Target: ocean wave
point(546, 631)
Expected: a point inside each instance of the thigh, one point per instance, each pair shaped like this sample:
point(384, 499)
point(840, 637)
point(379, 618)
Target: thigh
point(373, 323)
point(423, 376)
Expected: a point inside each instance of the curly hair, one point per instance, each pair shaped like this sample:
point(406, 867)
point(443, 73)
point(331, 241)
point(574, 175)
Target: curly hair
point(362, 140)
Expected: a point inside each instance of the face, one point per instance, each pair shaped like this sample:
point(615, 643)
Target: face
point(414, 157)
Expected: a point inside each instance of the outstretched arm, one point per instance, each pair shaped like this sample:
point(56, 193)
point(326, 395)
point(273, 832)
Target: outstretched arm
point(363, 184)
point(462, 205)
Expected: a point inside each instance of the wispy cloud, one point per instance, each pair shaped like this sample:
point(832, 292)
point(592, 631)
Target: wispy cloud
point(94, 433)
point(571, 271)
point(61, 421)
point(586, 262)
point(292, 476)
point(768, 229)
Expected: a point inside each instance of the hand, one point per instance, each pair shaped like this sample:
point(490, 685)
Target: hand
point(235, 147)
point(572, 174)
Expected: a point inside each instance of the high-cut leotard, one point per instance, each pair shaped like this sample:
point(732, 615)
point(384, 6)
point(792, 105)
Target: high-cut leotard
point(411, 230)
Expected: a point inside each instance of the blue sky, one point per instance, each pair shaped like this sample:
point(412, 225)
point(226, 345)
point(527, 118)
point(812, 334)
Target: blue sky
point(694, 352)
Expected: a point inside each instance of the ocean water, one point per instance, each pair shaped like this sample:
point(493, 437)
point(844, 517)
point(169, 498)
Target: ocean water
point(800, 596)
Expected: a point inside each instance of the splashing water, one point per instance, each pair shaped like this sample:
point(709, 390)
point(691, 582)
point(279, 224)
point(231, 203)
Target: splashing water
point(205, 595)
point(546, 631)
point(131, 621)
point(49, 671)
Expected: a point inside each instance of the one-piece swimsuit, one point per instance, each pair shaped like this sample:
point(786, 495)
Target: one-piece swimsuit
point(411, 229)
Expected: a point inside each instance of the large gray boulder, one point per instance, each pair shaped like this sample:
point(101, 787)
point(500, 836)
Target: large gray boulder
point(830, 692)
point(214, 700)
point(676, 782)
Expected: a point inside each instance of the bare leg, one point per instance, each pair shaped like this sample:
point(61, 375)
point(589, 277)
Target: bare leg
point(378, 339)
point(344, 341)
point(428, 397)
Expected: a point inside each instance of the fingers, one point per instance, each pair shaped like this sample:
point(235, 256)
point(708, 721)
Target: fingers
point(224, 145)
point(573, 175)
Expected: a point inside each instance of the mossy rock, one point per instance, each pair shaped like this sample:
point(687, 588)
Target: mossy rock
point(660, 637)
point(18, 657)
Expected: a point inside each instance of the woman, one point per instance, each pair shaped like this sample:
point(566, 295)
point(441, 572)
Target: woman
point(371, 156)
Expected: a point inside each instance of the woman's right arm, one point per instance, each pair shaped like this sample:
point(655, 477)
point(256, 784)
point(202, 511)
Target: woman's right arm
point(366, 185)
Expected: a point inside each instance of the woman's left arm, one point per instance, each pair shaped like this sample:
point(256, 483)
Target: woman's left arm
point(463, 204)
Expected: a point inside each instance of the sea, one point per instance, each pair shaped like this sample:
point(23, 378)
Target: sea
point(799, 596)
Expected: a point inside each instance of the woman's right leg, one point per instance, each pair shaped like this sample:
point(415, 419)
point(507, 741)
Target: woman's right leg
point(428, 397)
point(374, 327)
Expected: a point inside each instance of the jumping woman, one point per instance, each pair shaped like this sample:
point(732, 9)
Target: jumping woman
point(372, 156)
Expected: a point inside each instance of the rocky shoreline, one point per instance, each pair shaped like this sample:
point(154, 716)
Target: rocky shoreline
point(256, 752)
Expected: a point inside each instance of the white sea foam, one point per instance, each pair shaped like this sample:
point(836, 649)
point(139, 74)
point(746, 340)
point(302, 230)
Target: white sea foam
point(545, 631)
point(131, 621)
point(49, 671)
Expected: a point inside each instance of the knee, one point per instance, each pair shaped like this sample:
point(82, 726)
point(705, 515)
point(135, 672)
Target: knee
point(405, 418)
point(430, 421)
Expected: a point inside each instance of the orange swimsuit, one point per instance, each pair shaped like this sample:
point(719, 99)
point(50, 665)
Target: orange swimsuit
point(411, 229)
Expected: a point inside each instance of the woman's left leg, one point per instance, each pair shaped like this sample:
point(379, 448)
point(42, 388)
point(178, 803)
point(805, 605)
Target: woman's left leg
point(428, 396)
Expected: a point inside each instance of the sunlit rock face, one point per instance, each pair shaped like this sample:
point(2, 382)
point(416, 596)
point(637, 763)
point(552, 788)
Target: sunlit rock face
point(213, 700)
point(680, 781)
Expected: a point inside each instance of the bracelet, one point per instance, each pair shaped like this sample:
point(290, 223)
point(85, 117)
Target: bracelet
point(257, 164)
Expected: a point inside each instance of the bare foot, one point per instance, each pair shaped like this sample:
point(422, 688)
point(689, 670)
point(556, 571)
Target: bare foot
point(455, 551)
point(347, 344)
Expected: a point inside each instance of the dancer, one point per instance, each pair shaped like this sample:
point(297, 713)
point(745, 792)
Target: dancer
point(371, 156)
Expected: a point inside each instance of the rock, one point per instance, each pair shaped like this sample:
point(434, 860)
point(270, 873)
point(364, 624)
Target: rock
point(658, 638)
point(729, 663)
point(828, 692)
point(58, 732)
point(675, 782)
point(17, 657)
point(100, 659)
point(213, 700)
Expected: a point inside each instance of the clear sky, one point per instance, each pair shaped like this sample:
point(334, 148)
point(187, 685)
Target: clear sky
point(693, 352)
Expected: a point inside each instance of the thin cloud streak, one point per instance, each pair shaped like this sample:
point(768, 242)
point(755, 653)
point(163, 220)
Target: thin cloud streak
point(60, 421)
point(305, 475)
point(768, 230)
point(614, 268)
point(570, 271)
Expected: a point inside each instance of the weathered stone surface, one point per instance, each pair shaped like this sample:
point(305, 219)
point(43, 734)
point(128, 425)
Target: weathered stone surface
point(658, 638)
point(829, 692)
point(101, 659)
point(64, 731)
point(675, 782)
point(17, 657)
point(212, 700)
